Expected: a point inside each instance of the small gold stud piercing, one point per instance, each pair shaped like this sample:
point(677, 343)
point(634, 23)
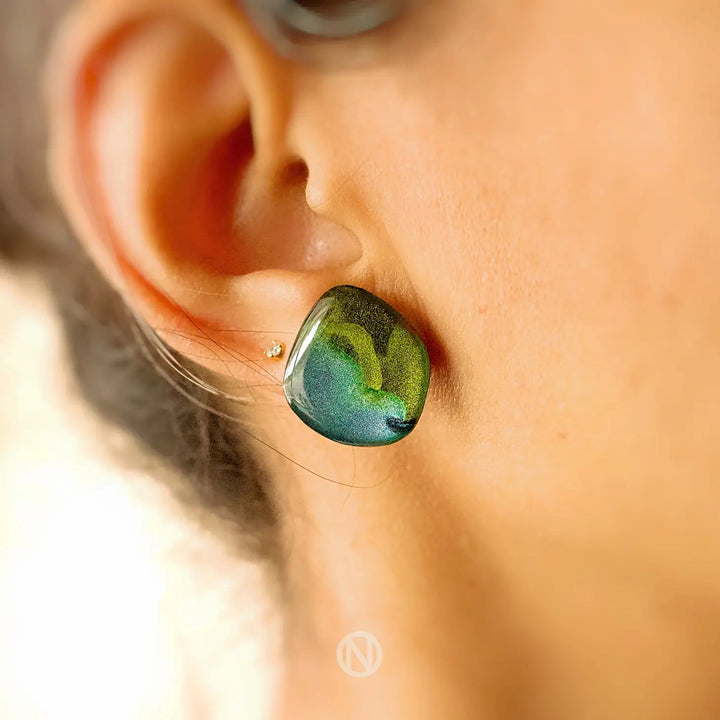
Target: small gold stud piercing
point(275, 350)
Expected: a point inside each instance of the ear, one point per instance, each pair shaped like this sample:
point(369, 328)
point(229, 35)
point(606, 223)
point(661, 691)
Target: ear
point(168, 152)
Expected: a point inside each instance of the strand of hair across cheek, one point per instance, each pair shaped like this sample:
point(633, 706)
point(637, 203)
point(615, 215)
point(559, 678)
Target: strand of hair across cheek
point(165, 361)
point(141, 333)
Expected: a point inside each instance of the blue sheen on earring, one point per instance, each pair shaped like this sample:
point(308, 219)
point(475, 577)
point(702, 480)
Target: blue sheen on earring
point(357, 373)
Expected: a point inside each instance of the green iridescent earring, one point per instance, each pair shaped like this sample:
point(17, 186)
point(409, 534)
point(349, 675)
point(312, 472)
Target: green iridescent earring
point(358, 373)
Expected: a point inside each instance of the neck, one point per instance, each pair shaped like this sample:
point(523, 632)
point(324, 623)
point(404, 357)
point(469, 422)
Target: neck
point(477, 608)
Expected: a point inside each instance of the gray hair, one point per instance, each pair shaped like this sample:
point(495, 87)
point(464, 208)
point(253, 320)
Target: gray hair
point(112, 373)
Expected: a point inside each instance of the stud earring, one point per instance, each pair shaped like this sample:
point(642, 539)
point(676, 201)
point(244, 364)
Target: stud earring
point(358, 373)
point(275, 351)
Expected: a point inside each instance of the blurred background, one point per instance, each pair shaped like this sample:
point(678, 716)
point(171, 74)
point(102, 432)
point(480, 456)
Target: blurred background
point(116, 599)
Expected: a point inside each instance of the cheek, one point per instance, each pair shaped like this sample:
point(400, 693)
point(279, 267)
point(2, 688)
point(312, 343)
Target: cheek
point(552, 197)
point(548, 165)
point(531, 176)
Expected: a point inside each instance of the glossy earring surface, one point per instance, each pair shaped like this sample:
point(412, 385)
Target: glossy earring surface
point(358, 373)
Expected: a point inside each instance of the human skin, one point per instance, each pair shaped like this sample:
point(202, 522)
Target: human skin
point(534, 185)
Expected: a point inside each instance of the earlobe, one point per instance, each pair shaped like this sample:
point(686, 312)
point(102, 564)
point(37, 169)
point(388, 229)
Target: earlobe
point(197, 217)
